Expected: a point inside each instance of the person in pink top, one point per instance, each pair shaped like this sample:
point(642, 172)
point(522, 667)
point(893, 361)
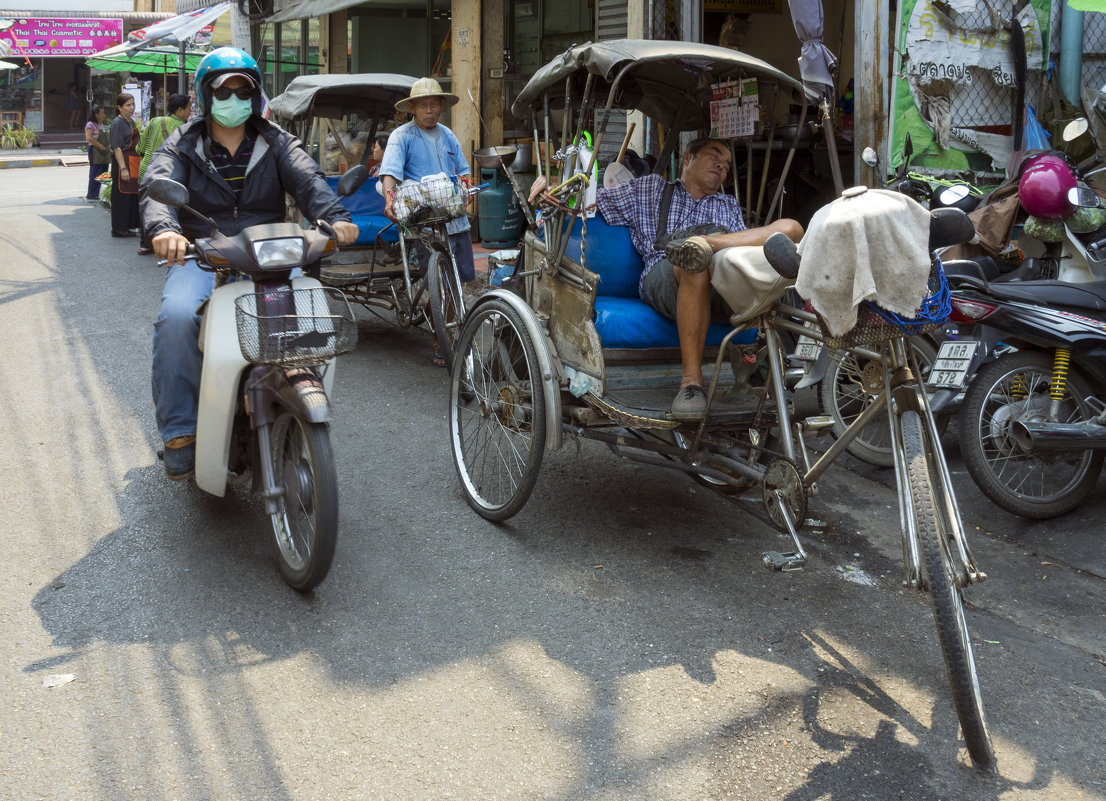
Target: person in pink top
point(99, 151)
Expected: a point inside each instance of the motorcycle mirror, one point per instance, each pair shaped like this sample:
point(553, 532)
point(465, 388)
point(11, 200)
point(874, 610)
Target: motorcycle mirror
point(352, 180)
point(869, 157)
point(950, 195)
point(1082, 197)
point(169, 192)
point(1074, 129)
point(907, 150)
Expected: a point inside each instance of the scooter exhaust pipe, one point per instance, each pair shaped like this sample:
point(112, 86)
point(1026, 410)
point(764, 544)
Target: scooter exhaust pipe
point(1085, 436)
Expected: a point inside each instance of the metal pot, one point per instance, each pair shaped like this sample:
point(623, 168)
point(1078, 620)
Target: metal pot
point(495, 156)
point(524, 158)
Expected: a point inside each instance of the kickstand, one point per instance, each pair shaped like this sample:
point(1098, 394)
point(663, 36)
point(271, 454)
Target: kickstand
point(786, 562)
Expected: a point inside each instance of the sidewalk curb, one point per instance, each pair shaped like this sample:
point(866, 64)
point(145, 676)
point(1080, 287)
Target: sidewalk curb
point(48, 159)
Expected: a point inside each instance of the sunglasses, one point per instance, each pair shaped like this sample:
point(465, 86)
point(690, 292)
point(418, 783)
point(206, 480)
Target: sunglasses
point(224, 93)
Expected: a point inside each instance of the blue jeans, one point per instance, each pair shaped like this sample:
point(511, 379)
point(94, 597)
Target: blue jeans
point(177, 358)
point(93, 170)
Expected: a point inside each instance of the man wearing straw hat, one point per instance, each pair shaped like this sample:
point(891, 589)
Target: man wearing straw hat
point(425, 147)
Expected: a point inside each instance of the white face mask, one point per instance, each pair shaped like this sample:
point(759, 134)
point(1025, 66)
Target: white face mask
point(231, 112)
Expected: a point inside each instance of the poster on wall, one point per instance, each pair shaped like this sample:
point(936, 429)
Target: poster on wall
point(141, 92)
point(953, 86)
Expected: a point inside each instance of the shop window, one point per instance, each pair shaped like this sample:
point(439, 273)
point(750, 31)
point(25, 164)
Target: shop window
point(21, 94)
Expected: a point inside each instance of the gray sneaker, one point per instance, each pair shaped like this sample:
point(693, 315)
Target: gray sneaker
point(690, 403)
point(692, 255)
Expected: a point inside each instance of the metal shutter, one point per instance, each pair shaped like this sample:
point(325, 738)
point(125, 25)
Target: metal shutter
point(611, 18)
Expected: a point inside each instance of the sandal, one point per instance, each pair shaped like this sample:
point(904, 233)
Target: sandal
point(437, 359)
point(145, 251)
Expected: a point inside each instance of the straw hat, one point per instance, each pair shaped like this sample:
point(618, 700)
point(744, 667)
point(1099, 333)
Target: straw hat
point(426, 87)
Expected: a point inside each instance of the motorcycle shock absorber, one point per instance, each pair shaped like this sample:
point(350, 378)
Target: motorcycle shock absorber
point(1061, 362)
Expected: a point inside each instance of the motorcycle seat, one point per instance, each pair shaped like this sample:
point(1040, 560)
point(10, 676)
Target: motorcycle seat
point(1087, 297)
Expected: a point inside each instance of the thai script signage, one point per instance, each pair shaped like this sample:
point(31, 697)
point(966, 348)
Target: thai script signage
point(60, 36)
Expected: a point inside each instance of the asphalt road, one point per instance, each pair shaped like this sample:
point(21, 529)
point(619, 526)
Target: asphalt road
point(618, 639)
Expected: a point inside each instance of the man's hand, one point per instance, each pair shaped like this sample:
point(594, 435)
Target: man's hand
point(345, 233)
point(388, 183)
point(171, 246)
point(537, 188)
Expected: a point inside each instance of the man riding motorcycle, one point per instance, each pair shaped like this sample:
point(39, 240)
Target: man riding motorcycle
point(237, 167)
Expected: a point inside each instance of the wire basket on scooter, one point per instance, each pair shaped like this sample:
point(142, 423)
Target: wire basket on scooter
point(435, 199)
point(295, 327)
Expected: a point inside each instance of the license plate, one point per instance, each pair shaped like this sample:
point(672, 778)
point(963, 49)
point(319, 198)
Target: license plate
point(951, 365)
point(806, 349)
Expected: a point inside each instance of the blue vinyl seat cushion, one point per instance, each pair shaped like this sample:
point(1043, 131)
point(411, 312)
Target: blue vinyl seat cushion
point(629, 323)
point(622, 319)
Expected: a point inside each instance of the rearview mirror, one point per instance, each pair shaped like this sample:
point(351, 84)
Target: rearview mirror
point(1082, 197)
point(167, 191)
point(352, 180)
point(1074, 129)
point(869, 157)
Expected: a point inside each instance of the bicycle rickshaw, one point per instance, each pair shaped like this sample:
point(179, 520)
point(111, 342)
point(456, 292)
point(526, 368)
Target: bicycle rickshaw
point(570, 351)
point(385, 269)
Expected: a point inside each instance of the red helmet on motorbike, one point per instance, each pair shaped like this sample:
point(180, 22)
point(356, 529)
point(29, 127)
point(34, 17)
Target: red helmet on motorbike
point(1044, 185)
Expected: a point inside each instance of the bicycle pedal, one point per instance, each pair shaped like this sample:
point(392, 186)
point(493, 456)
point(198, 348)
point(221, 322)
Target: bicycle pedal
point(783, 562)
point(817, 423)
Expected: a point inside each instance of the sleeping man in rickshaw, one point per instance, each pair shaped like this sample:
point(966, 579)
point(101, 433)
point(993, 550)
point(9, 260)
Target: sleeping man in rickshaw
point(685, 241)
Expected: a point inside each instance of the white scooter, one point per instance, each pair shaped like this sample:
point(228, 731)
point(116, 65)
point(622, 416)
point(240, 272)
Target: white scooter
point(268, 342)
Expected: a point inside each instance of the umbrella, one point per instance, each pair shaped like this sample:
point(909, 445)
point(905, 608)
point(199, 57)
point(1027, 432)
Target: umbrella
point(123, 58)
point(816, 62)
point(127, 58)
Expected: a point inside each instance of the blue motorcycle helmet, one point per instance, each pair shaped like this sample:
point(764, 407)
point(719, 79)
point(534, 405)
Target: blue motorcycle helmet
point(225, 61)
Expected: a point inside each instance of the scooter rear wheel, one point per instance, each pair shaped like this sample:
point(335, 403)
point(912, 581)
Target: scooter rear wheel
point(305, 530)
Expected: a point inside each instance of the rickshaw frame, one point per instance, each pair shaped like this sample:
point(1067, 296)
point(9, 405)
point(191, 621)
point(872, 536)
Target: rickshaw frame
point(534, 367)
point(310, 99)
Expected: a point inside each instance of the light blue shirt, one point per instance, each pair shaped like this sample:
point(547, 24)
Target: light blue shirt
point(413, 153)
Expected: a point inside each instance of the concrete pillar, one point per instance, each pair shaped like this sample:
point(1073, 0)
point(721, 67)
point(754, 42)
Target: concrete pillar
point(870, 102)
point(491, 101)
point(334, 42)
point(466, 74)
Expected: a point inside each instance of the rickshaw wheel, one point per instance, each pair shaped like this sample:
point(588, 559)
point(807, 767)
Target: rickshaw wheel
point(445, 304)
point(497, 410)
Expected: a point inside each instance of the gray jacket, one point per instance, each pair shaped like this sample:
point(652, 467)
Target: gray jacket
point(278, 165)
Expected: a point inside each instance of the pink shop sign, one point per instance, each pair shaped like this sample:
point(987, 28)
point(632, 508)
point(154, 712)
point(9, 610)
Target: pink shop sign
point(63, 36)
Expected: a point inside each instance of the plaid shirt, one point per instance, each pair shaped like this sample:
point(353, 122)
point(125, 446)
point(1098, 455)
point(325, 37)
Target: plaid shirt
point(636, 204)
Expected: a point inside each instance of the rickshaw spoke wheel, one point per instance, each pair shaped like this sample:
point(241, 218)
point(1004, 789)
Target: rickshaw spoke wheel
point(446, 306)
point(851, 384)
point(497, 410)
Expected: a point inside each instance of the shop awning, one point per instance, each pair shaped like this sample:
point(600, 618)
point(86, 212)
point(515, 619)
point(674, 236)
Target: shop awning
point(311, 8)
point(129, 17)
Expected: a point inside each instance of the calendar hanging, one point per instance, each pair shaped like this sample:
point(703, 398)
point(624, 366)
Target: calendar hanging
point(734, 108)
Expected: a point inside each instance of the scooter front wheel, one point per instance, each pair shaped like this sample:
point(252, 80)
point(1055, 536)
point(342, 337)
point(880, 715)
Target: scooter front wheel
point(305, 529)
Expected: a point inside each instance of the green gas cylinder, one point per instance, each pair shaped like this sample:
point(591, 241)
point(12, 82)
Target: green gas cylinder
point(499, 214)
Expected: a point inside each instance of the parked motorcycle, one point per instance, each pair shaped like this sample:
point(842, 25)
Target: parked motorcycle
point(268, 341)
point(1033, 425)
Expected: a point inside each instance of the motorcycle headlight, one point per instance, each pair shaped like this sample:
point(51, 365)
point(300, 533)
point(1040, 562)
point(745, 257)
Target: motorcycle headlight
point(286, 252)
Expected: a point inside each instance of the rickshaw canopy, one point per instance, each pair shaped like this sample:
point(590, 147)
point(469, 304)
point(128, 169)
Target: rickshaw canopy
point(336, 96)
point(668, 81)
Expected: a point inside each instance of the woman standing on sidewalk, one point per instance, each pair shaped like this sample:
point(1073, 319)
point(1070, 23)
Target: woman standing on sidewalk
point(99, 150)
point(124, 169)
